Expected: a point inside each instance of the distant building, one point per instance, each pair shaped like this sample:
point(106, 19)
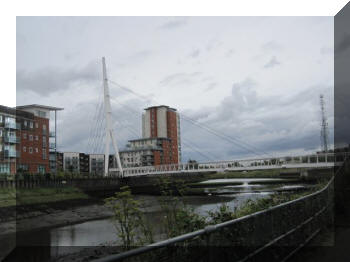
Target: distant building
point(71, 162)
point(56, 161)
point(76, 162)
point(24, 139)
point(146, 152)
point(97, 164)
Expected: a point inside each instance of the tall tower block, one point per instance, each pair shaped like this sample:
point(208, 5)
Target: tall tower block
point(163, 122)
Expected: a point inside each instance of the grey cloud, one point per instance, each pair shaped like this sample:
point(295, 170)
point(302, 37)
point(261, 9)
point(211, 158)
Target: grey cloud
point(211, 86)
point(268, 123)
point(230, 52)
point(173, 24)
point(215, 43)
point(141, 54)
point(271, 46)
point(272, 63)
point(180, 78)
point(195, 53)
point(51, 79)
point(326, 50)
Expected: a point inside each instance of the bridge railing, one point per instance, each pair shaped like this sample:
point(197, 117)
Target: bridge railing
point(325, 159)
point(273, 234)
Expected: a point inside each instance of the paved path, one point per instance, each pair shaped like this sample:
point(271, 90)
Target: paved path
point(331, 246)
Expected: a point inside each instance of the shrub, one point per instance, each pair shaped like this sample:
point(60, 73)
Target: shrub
point(128, 220)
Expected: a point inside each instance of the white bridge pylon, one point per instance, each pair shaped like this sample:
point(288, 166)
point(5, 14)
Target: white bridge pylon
point(109, 130)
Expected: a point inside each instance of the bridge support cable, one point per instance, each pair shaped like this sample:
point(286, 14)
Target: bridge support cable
point(92, 129)
point(244, 145)
point(96, 127)
point(194, 149)
point(100, 128)
point(237, 142)
point(223, 137)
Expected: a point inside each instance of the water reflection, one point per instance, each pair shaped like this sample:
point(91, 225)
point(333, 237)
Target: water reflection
point(242, 180)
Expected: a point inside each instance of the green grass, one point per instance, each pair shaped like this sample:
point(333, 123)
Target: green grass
point(11, 197)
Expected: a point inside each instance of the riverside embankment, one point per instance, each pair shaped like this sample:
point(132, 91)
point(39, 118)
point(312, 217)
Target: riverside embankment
point(49, 220)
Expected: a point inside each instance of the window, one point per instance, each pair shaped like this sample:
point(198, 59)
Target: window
point(41, 113)
point(31, 124)
point(30, 150)
point(24, 149)
point(41, 169)
point(24, 135)
point(22, 167)
point(0, 118)
point(36, 150)
point(4, 168)
point(44, 153)
point(30, 137)
point(0, 132)
point(44, 141)
point(25, 123)
point(36, 125)
point(36, 138)
point(10, 120)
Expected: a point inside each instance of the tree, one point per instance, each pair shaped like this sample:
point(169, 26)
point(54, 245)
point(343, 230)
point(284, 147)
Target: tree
point(179, 218)
point(129, 222)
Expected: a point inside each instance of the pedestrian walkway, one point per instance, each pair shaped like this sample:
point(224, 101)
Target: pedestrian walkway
point(331, 246)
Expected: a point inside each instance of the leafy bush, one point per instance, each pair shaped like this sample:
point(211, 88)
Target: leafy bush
point(128, 219)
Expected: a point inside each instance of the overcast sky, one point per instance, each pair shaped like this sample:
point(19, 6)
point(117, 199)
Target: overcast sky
point(254, 79)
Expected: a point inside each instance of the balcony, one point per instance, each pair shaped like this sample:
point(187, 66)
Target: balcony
point(11, 153)
point(52, 134)
point(11, 125)
point(52, 146)
point(11, 139)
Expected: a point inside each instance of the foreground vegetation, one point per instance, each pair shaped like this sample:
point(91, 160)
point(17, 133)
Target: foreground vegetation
point(11, 196)
point(133, 229)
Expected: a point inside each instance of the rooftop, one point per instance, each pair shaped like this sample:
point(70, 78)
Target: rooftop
point(50, 108)
point(160, 106)
point(141, 149)
point(149, 138)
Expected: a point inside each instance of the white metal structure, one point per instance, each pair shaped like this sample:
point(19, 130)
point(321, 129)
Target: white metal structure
point(307, 161)
point(109, 130)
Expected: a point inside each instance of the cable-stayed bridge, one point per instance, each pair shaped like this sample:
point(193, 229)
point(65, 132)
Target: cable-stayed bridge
point(323, 160)
point(102, 134)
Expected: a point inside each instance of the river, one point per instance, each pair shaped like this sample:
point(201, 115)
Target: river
point(67, 239)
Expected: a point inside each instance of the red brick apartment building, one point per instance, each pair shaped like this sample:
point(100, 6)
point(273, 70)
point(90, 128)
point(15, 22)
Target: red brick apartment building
point(160, 143)
point(24, 139)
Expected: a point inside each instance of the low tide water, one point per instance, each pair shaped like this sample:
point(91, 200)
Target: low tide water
point(102, 232)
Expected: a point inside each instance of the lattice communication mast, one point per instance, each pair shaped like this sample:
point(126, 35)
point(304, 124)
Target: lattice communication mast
point(324, 126)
